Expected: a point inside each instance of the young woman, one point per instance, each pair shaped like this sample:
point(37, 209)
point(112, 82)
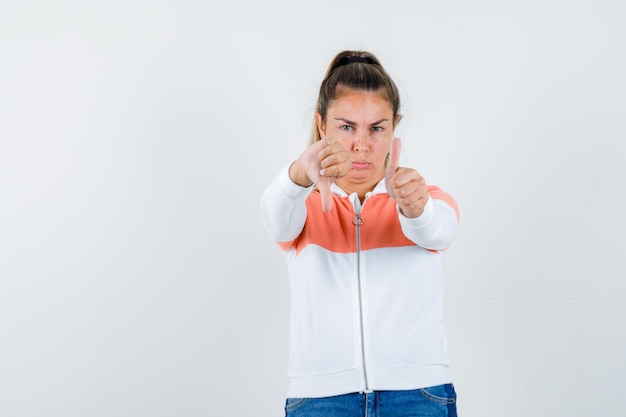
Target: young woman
point(362, 239)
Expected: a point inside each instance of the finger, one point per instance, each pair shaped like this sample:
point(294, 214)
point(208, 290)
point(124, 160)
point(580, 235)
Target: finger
point(394, 156)
point(335, 167)
point(403, 176)
point(323, 186)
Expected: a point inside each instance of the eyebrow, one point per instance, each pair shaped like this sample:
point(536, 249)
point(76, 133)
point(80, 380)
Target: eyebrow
point(349, 122)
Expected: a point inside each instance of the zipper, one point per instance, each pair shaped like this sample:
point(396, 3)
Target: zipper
point(358, 222)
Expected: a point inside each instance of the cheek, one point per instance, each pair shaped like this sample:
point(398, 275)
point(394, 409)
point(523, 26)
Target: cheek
point(381, 144)
point(345, 140)
point(382, 149)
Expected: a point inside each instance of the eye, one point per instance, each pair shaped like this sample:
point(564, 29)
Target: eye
point(378, 129)
point(346, 127)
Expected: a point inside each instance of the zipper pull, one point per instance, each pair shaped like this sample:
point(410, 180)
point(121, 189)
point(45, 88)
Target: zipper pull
point(358, 220)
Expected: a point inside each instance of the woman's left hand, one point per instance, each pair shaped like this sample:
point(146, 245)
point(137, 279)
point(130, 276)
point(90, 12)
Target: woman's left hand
point(405, 185)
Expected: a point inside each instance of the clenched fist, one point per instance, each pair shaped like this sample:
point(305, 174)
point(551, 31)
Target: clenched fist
point(320, 164)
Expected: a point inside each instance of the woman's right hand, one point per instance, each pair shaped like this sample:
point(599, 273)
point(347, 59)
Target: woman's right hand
point(320, 164)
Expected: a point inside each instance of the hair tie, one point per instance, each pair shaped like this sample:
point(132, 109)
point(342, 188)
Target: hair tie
point(350, 59)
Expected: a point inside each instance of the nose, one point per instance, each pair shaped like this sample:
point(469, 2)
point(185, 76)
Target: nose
point(360, 143)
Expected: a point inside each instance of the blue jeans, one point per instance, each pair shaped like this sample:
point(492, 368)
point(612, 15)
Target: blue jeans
point(439, 401)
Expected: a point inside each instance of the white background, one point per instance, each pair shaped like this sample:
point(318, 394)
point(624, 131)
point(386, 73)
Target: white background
point(136, 137)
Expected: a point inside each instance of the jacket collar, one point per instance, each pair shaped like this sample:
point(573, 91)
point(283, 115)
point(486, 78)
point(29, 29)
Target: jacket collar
point(378, 189)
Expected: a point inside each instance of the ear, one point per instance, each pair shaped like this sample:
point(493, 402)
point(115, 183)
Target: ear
point(320, 125)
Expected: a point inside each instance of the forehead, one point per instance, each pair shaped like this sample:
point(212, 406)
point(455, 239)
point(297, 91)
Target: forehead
point(361, 102)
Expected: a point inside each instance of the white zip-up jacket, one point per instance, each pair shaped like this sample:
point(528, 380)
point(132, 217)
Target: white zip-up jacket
point(366, 288)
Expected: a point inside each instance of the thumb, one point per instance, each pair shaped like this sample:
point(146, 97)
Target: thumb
point(394, 157)
point(323, 185)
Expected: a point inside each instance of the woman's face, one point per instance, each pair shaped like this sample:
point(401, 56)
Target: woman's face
point(363, 121)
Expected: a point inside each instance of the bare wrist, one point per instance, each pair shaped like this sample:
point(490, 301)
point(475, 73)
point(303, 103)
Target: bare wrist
point(299, 176)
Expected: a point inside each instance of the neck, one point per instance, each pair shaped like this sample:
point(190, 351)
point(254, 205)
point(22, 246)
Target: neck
point(361, 189)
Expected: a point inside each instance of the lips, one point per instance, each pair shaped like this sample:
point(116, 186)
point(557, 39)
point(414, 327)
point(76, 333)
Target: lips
point(360, 165)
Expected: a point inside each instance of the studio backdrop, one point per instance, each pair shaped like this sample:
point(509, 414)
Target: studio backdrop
point(136, 138)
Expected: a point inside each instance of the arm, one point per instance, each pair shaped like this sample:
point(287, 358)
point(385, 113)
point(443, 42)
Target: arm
point(283, 207)
point(428, 216)
point(283, 202)
point(436, 227)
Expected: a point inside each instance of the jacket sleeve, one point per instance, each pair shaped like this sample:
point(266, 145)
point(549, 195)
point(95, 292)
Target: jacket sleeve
point(283, 207)
point(436, 227)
